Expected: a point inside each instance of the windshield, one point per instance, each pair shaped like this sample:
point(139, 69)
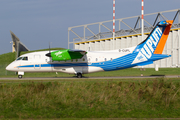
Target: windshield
point(25, 58)
point(19, 58)
point(22, 58)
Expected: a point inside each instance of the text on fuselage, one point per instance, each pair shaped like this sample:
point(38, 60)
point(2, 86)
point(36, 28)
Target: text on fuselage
point(124, 50)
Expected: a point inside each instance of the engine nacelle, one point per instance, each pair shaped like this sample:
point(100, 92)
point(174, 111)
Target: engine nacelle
point(67, 54)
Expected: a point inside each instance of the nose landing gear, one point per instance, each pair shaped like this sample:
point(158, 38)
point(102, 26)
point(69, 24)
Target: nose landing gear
point(19, 76)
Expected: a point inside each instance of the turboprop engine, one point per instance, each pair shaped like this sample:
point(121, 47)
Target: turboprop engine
point(67, 54)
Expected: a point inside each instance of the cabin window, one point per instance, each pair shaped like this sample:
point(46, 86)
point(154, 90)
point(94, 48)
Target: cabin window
point(96, 59)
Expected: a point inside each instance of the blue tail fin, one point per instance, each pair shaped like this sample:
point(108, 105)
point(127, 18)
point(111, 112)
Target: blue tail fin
point(154, 43)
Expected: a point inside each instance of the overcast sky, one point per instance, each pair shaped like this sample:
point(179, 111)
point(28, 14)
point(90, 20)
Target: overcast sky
point(38, 22)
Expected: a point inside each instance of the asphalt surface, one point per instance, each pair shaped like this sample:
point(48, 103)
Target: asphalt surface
point(56, 78)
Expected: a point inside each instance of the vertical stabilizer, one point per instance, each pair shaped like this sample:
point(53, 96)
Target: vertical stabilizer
point(162, 42)
point(154, 43)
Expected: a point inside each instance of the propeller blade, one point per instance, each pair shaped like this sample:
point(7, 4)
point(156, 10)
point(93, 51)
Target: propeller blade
point(49, 48)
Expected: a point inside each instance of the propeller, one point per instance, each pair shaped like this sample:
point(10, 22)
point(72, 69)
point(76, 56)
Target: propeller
point(49, 54)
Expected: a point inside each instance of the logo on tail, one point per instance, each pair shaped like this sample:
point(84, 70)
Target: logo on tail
point(147, 48)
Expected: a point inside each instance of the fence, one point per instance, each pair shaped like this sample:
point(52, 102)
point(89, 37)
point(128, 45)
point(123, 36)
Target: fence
point(4, 72)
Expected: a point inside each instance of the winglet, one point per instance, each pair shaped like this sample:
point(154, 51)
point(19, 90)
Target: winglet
point(162, 42)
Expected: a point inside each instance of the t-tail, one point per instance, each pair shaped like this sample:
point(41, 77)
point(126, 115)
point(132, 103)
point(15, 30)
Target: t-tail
point(152, 47)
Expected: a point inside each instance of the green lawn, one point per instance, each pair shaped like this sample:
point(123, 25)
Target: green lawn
point(132, 98)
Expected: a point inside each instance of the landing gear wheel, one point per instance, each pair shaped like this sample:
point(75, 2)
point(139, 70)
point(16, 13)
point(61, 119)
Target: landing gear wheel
point(19, 76)
point(79, 75)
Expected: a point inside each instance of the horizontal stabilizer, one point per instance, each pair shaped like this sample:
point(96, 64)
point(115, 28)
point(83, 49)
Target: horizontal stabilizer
point(145, 63)
point(159, 56)
point(154, 58)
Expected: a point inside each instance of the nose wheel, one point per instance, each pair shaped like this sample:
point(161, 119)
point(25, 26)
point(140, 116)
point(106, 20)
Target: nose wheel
point(19, 76)
point(79, 75)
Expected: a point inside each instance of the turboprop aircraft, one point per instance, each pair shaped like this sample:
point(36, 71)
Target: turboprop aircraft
point(82, 62)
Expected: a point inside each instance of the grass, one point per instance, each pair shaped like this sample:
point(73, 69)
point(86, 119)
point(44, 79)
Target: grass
point(149, 98)
point(138, 72)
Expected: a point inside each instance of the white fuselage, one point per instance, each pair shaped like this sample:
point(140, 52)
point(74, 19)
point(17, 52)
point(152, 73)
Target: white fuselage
point(39, 62)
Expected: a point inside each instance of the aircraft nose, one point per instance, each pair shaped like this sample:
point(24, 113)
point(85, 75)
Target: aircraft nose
point(9, 67)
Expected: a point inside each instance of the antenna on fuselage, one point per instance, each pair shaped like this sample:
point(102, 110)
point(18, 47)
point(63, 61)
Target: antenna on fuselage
point(49, 47)
point(49, 54)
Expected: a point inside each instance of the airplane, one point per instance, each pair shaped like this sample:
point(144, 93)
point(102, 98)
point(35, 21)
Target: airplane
point(80, 62)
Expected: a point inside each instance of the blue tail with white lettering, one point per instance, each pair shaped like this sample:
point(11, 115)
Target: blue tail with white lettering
point(143, 54)
point(151, 49)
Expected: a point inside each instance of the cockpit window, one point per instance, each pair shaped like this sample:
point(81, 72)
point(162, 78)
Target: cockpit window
point(22, 58)
point(25, 58)
point(19, 58)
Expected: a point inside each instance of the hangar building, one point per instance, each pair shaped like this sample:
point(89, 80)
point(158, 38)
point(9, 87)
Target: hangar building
point(98, 36)
point(17, 45)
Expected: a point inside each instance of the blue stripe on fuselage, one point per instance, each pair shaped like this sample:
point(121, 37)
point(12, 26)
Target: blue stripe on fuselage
point(115, 64)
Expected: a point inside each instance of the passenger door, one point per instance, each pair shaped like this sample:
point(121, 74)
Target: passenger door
point(89, 60)
point(37, 62)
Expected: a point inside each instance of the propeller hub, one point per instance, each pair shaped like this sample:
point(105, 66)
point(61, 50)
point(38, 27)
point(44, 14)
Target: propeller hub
point(48, 54)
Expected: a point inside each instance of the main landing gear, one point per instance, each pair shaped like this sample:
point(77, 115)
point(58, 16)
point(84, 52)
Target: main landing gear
point(79, 75)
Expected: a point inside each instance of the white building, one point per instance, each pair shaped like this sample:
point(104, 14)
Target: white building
point(103, 40)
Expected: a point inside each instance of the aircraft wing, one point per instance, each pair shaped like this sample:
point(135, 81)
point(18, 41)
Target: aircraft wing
point(75, 50)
